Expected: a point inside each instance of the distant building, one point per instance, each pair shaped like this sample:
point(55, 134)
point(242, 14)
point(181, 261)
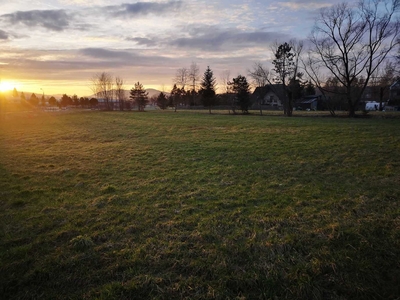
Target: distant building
point(312, 102)
point(268, 97)
point(394, 94)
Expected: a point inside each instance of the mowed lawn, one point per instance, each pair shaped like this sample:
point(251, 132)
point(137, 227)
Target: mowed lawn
point(163, 205)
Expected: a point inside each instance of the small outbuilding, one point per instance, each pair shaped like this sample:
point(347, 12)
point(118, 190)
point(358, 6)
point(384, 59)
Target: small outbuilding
point(312, 102)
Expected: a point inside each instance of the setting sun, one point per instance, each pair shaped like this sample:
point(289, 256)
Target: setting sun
point(6, 86)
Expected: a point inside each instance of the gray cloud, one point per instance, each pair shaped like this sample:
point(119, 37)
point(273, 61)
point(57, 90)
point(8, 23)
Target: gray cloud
point(143, 8)
point(102, 53)
point(122, 58)
point(142, 41)
point(55, 20)
point(3, 35)
point(215, 39)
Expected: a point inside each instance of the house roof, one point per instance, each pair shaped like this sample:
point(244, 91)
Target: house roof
point(310, 99)
point(396, 84)
point(277, 89)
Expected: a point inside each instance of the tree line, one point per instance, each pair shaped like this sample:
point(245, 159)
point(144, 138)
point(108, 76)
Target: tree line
point(33, 100)
point(350, 54)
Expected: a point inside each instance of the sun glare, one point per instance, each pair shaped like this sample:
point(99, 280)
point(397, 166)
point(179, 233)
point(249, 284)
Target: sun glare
point(6, 86)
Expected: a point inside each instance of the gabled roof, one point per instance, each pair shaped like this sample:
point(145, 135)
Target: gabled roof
point(310, 99)
point(277, 89)
point(396, 84)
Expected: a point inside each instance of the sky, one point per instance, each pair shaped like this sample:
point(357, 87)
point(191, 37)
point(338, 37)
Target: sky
point(57, 46)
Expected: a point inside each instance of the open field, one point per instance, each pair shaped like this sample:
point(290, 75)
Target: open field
point(163, 205)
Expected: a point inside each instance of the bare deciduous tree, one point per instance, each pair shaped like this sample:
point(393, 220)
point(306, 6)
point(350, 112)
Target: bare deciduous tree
point(225, 78)
point(350, 42)
point(102, 87)
point(120, 92)
point(259, 74)
point(181, 77)
point(194, 76)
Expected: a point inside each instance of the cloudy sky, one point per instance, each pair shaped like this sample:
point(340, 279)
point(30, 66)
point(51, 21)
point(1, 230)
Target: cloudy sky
point(56, 46)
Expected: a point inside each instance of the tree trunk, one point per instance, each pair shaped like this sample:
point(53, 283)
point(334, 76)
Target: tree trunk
point(352, 110)
point(330, 107)
point(290, 105)
point(290, 109)
point(352, 104)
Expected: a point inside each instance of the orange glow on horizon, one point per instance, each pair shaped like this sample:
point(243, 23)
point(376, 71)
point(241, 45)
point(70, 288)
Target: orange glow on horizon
point(6, 85)
point(46, 87)
point(59, 87)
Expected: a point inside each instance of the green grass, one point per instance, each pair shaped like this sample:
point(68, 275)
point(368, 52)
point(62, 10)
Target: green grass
point(162, 205)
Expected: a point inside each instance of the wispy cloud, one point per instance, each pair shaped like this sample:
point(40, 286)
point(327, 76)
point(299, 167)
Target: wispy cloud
point(142, 41)
point(297, 5)
point(55, 20)
point(211, 38)
point(3, 35)
point(124, 58)
point(143, 8)
point(102, 53)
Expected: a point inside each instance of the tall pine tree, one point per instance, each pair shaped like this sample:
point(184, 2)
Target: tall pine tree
point(139, 95)
point(207, 89)
point(162, 101)
point(285, 74)
point(241, 88)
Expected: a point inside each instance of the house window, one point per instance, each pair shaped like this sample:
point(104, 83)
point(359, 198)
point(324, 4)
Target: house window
point(271, 99)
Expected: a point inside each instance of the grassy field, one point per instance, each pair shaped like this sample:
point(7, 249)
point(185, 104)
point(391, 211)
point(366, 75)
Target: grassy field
point(162, 205)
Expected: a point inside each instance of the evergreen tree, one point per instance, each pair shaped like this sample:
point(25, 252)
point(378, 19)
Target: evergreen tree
point(309, 89)
point(194, 98)
point(52, 101)
point(85, 101)
point(162, 101)
point(75, 100)
point(139, 95)
point(65, 100)
point(175, 97)
point(285, 70)
point(241, 88)
point(34, 99)
point(207, 89)
point(23, 99)
point(93, 102)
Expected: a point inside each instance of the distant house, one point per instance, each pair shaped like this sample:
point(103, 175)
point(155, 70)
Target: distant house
point(268, 97)
point(370, 100)
point(394, 95)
